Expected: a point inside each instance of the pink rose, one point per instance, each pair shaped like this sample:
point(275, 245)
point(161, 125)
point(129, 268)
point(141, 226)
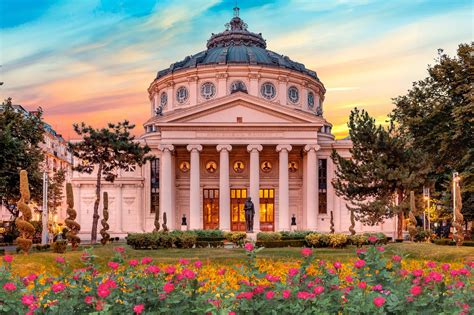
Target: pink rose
point(198, 264)
point(373, 239)
point(133, 262)
point(417, 272)
point(170, 270)
point(183, 261)
point(138, 309)
point(304, 295)
point(248, 247)
point(58, 287)
point(360, 251)
point(337, 265)
point(377, 287)
point(89, 299)
point(103, 290)
point(286, 294)
point(396, 258)
point(152, 269)
point(381, 248)
point(318, 290)
point(272, 278)
point(362, 285)
point(349, 279)
point(168, 287)
point(306, 252)
point(292, 272)
point(146, 260)
point(9, 286)
point(431, 264)
point(60, 260)
point(32, 277)
point(416, 290)
point(120, 249)
point(445, 267)
point(221, 272)
point(245, 295)
point(27, 299)
point(359, 263)
point(379, 301)
point(189, 274)
point(8, 258)
point(269, 295)
point(114, 265)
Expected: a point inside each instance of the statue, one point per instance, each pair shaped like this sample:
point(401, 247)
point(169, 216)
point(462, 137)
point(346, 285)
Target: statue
point(249, 213)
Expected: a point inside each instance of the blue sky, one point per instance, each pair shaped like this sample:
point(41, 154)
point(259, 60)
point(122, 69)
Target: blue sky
point(92, 60)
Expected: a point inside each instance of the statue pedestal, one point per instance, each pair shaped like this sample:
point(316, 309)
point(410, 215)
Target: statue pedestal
point(184, 227)
point(252, 236)
point(293, 228)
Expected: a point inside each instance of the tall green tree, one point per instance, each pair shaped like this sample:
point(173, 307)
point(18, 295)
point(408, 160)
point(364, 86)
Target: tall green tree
point(438, 114)
point(55, 191)
point(106, 150)
point(377, 179)
point(20, 136)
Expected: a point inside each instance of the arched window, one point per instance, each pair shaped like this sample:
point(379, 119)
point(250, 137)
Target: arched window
point(310, 100)
point(238, 86)
point(163, 99)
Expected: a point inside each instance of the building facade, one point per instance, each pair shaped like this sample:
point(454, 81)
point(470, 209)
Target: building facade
point(233, 121)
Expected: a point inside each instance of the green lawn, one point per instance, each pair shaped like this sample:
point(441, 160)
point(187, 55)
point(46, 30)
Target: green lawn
point(41, 261)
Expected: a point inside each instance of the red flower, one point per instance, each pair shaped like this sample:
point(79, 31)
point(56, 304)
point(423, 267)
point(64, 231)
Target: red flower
point(272, 278)
point(248, 247)
point(120, 249)
point(417, 272)
point(292, 272)
point(431, 264)
point(9, 286)
point(377, 287)
point(58, 287)
point(245, 295)
point(32, 277)
point(349, 279)
point(152, 269)
point(27, 299)
point(359, 263)
point(133, 262)
point(170, 270)
point(306, 252)
point(373, 239)
point(380, 248)
point(318, 290)
point(8, 258)
point(379, 301)
point(168, 287)
point(60, 260)
point(286, 294)
point(269, 295)
point(360, 251)
point(183, 261)
point(362, 285)
point(304, 295)
point(198, 264)
point(416, 290)
point(221, 272)
point(138, 309)
point(103, 290)
point(189, 274)
point(337, 265)
point(396, 258)
point(445, 267)
point(114, 265)
point(146, 260)
point(89, 299)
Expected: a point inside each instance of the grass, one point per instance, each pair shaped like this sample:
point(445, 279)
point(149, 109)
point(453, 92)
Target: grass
point(45, 261)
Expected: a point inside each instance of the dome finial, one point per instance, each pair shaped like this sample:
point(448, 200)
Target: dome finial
point(236, 9)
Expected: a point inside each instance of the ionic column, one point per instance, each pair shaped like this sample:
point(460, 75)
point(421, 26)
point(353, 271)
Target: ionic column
point(224, 187)
point(283, 188)
point(254, 150)
point(166, 185)
point(312, 191)
point(194, 190)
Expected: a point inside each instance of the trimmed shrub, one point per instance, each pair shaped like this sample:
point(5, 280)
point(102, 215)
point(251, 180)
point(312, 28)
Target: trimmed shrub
point(296, 235)
point(280, 243)
point(236, 237)
point(209, 234)
point(268, 236)
point(185, 239)
point(358, 240)
point(209, 243)
point(382, 239)
point(317, 240)
point(60, 246)
point(422, 235)
point(338, 240)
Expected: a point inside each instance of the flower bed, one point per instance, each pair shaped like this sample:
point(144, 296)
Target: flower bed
point(368, 284)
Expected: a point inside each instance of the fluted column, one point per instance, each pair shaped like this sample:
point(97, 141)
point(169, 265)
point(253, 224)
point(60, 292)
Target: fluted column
point(283, 188)
point(254, 150)
point(312, 193)
point(166, 185)
point(224, 187)
point(194, 190)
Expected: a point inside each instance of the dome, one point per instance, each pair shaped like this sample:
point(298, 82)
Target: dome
point(237, 45)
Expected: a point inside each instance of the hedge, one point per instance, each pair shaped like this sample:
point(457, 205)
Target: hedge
point(280, 243)
point(450, 242)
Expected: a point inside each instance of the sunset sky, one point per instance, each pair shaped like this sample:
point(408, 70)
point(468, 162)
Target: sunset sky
point(92, 60)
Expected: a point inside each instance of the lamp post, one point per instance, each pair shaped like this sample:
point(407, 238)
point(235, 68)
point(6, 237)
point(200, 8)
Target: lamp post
point(44, 232)
point(455, 180)
point(426, 195)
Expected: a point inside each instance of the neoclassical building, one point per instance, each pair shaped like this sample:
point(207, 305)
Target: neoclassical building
point(234, 121)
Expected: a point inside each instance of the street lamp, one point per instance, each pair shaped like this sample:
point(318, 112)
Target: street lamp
point(426, 196)
point(455, 182)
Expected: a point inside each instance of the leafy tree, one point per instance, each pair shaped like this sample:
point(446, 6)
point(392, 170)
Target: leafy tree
point(55, 191)
point(382, 170)
point(438, 114)
point(106, 150)
point(20, 136)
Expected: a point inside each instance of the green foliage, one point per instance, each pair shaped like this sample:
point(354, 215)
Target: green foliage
point(358, 240)
point(209, 234)
point(437, 114)
point(268, 236)
point(108, 150)
point(184, 239)
point(237, 238)
point(296, 235)
point(20, 136)
point(280, 243)
point(60, 246)
point(422, 235)
point(338, 240)
point(382, 164)
point(317, 240)
point(55, 191)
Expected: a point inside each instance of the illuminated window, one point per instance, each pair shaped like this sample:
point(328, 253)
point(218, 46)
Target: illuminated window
point(322, 172)
point(155, 185)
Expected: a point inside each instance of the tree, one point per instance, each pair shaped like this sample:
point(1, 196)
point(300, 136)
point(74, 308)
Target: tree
point(106, 150)
point(438, 114)
point(55, 191)
point(20, 136)
point(381, 167)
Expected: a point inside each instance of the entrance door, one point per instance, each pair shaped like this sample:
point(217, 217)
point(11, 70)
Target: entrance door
point(237, 200)
point(267, 206)
point(211, 209)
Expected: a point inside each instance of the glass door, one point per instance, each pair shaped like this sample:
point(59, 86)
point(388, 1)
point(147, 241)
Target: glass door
point(237, 217)
point(211, 209)
point(267, 206)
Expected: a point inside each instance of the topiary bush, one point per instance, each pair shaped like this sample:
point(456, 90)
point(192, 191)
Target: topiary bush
point(72, 225)
point(209, 234)
point(184, 239)
point(338, 240)
point(317, 240)
point(268, 236)
point(280, 243)
point(26, 229)
point(237, 238)
point(296, 235)
point(60, 246)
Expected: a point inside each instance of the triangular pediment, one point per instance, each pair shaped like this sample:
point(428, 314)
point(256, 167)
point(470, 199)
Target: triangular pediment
point(239, 108)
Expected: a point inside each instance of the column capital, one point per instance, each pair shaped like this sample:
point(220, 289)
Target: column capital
point(166, 147)
point(252, 147)
point(194, 147)
point(224, 147)
point(312, 147)
point(286, 147)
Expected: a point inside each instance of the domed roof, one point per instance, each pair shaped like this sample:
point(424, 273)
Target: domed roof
point(237, 45)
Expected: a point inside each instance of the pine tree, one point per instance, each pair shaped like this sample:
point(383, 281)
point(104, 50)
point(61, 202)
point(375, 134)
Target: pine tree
point(55, 191)
point(382, 170)
point(107, 150)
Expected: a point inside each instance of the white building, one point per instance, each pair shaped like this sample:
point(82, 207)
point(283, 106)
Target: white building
point(232, 121)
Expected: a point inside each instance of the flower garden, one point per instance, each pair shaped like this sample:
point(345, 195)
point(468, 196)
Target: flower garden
point(370, 281)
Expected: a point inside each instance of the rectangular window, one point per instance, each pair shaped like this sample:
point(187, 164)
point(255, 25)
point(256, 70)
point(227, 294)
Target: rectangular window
point(155, 185)
point(323, 184)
